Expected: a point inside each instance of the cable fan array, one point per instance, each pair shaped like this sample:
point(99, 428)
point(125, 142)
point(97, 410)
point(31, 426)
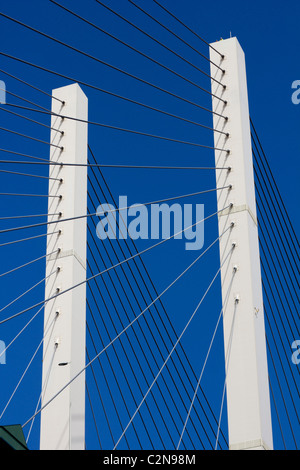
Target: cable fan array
point(151, 381)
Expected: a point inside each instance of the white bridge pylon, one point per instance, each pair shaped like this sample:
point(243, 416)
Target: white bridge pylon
point(63, 420)
point(247, 385)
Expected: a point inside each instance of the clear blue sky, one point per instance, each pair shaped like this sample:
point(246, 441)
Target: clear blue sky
point(269, 35)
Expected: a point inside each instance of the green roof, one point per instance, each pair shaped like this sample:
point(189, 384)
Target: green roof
point(12, 437)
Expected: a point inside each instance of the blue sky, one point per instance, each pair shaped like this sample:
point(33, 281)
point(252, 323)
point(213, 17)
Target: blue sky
point(267, 32)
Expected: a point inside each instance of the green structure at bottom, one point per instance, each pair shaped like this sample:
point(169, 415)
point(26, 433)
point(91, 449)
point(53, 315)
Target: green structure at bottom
point(12, 438)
